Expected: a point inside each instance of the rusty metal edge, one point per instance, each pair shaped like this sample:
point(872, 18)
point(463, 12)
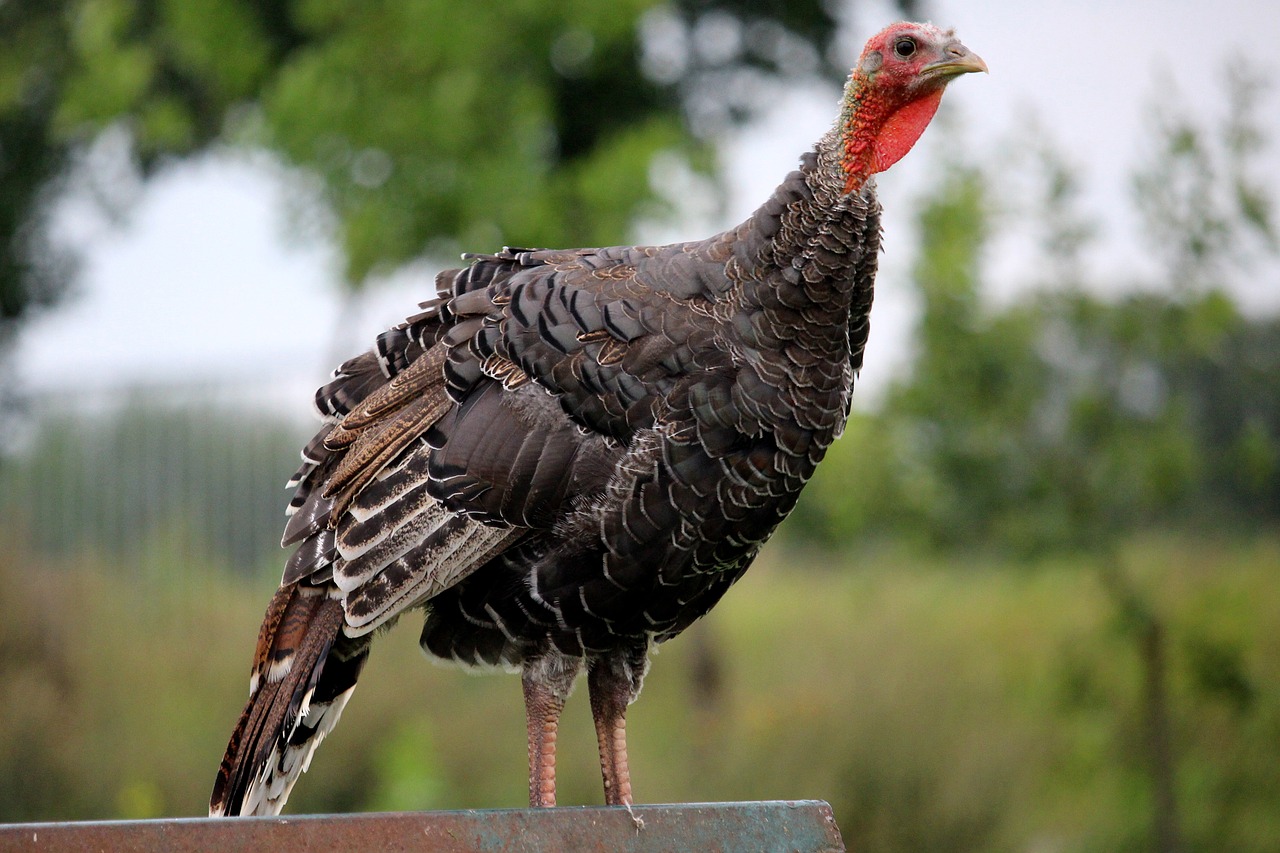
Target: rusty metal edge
point(805, 826)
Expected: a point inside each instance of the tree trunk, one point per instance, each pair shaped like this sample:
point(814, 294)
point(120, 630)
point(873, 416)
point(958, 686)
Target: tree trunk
point(1168, 838)
point(1145, 625)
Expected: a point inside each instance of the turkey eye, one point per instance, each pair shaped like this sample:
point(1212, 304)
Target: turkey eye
point(904, 47)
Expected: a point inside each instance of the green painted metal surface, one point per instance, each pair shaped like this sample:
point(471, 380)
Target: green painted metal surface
point(805, 826)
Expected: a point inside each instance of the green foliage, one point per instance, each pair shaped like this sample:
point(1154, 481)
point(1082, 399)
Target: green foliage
point(1065, 419)
point(938, 704)
point(414, 129)
point(32, 272)
point(1201, 199)
point(445, 121)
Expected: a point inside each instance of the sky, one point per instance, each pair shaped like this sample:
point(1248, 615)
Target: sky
point(203, 280)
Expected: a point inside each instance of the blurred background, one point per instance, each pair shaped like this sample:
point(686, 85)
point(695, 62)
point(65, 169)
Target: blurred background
point(1032, 599)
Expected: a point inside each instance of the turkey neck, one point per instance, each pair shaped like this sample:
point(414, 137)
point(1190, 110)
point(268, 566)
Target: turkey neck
point(810, 252)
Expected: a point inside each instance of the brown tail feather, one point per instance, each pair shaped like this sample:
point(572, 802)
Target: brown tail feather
point(304, 670)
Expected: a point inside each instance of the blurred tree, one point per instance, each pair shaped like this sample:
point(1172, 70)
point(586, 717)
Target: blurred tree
point(413, 126)
point(32, 271)
point(1065, 418)
point(1205, 209)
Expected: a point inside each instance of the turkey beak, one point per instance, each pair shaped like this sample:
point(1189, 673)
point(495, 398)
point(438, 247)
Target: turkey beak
point(959, 60)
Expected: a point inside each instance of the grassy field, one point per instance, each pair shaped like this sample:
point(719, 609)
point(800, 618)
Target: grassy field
point(959, 704)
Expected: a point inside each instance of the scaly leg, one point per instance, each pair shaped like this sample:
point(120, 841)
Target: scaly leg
point(610, 686)
point(547, 682)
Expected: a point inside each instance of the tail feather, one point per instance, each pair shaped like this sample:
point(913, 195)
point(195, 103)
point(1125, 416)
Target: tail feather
point(304, 672)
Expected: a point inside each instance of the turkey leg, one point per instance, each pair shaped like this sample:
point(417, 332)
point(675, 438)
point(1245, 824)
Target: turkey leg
point(610, 689)
point(546, 682)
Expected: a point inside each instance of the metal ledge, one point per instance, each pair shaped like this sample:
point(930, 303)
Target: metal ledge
point(804, 826)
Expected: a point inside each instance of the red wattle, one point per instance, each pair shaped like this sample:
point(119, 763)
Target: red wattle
point(903, 128)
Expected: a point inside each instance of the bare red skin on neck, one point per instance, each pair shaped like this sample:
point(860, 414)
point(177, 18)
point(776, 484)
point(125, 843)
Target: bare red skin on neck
point(879, 132)
point(903, 127)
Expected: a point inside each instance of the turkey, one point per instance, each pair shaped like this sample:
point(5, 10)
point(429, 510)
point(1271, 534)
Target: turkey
point(569, 456)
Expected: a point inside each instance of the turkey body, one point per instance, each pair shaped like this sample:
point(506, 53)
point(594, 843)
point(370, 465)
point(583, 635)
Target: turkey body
point(677, 400)
point(564, 458)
